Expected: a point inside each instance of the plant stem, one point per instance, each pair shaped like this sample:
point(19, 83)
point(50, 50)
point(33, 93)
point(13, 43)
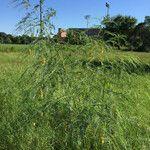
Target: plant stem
point(41, 18)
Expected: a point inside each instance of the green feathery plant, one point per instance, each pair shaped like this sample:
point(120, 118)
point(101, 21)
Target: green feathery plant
point(37, 19)
point(24, 3)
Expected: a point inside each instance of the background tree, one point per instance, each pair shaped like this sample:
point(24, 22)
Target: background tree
point(10, 39)
point(118, 29)
point(76, 37)
point(147, 21)
point(1, 40)
point(139, 40)
point(120, 24)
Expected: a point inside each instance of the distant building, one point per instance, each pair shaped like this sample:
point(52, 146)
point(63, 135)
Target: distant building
point(62, 33)
point(88, 31)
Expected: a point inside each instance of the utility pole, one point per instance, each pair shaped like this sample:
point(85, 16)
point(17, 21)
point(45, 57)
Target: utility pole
point(87, 18)
point(108, 8)
point(41, 17)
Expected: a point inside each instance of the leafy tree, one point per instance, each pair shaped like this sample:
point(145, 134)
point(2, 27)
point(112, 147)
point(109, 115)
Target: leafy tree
point(147, 21)
point(8, 40)
point(3, 35)
point(1, 40)
point(118, 29)
point(140, 38)
point(119, 24)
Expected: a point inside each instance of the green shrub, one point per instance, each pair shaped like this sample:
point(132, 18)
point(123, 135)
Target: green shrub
point(76, 37)
point(116, 40)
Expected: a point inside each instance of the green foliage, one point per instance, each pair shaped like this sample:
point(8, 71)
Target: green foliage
point(24, 3)
point(14, 48)
point(147, 21)
point(122, 31)
point(120, 24)
point(141, 37)
point(37, 20)
point(116, 40)
point(10, 39)
point(76, 37)
point(61, 103)
point(118, 30)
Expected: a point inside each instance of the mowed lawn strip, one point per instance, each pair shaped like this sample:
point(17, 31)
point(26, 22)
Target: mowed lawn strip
point(13, 47)
point(143, 56)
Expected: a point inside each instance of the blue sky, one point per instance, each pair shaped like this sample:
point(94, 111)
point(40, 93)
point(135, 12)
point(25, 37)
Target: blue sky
point(70, 13)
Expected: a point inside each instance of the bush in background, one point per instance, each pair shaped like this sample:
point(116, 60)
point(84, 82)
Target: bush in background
point(76, 37)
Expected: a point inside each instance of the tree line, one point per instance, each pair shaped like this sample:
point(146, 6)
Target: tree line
point(10, 39)
point(124, 31)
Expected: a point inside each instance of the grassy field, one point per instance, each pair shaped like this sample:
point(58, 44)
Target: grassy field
point(13, 47)
point(74, 97)
point(143, 56)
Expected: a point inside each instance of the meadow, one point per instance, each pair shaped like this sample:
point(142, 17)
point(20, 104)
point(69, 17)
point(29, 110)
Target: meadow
point(13, 47)
point(74, 97)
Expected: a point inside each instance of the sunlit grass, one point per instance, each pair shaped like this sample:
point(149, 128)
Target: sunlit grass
point(13, 47)
point(81, 97)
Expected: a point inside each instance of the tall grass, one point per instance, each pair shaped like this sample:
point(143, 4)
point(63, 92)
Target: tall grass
point(13, 47)
point(63, 101)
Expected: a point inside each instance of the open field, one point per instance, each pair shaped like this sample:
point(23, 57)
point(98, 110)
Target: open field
point(143, 56)
point(9, 58)
point(85, 86)
point(13, 47)
point(76, 99)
